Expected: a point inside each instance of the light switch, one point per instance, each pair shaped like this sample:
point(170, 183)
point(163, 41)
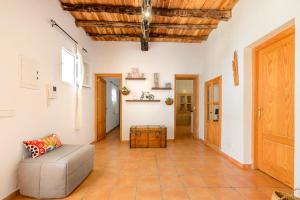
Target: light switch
point(7, 113)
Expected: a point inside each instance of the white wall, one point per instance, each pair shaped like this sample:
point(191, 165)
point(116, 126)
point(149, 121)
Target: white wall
point(184, 86)
point(26, 31)
point(165, 58)
point(112, 108)
point(251, 21)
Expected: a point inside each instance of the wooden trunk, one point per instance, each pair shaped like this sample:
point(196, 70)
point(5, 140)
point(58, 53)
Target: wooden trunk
point(148, 137)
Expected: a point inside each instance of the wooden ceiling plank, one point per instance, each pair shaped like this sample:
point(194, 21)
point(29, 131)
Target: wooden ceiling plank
point(223, 15)
point(119, 24)
point(152, 35)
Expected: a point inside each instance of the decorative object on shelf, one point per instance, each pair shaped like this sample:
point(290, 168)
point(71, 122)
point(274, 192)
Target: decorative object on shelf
point(135, 74)
point(168, 85)
point(235, 69)
point(156, 80)
point(147, 96)
point(125, 90)
point(136, 100)
point(169, 101)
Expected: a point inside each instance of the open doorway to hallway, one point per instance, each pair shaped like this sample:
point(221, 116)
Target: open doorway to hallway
point(186, 107)
point(108, 105)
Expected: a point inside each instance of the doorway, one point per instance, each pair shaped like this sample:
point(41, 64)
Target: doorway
point(108, 105)
point(186, 106)
point(273, 106)
point(213, 112)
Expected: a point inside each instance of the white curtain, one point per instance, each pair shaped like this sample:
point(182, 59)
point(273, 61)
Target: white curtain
point(79, 83)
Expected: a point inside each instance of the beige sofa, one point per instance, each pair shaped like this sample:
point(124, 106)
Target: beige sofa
point(57, 173)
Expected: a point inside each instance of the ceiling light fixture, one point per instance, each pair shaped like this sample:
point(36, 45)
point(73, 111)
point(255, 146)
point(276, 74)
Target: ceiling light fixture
point(146, 18)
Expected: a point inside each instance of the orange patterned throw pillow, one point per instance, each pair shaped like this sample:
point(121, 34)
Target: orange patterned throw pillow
point(43, 145)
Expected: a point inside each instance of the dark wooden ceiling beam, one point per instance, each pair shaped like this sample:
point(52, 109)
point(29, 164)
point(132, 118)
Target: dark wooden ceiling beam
point(118, 24)
point(152, 35)
point(223, 15)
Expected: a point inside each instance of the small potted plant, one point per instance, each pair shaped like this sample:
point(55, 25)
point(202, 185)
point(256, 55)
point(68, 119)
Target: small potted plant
point(125, 91)
point(169, 101)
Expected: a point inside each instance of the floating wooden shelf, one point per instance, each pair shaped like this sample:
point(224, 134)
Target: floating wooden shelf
point(138, 79)
point(161, 88)
point(133, 100)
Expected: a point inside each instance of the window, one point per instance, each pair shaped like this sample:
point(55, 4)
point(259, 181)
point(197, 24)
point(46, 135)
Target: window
point(68, 67)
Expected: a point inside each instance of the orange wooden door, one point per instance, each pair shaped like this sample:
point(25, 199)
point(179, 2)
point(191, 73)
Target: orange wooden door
point(213, 103)
point(195, 108)
point(275, 107)
point(101, 109)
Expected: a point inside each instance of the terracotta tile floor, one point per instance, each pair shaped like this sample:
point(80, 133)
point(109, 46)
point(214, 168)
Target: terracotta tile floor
point(186, 170)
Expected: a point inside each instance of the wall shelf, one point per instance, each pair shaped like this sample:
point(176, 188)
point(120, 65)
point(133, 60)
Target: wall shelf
point(161, 88)
point(137, 79)
point(136, 100)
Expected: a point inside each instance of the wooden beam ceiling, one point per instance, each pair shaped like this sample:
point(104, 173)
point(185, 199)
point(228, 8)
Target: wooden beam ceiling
point(151, 35)
point(168, 21)
point(119, 24)
point(223, 15)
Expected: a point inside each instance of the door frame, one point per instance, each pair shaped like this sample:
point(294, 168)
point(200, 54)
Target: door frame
point(112, 75)
point(195, 78)
point(220, 80)
point(268, 41)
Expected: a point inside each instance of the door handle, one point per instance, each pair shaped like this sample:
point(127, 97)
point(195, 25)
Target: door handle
point(259, 109)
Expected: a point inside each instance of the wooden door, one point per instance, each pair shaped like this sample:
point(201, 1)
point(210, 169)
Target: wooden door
point(274, 104)
point(101, 108)
point(213, 104)
point(195, 108)
point(184, 109)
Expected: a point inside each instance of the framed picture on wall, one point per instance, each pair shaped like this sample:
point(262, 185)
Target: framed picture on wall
point(87, 75)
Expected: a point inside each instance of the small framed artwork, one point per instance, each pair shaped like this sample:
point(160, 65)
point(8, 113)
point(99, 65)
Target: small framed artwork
point(235, 69)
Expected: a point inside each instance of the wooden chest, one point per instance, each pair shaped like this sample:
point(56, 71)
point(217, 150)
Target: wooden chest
point(148, 137)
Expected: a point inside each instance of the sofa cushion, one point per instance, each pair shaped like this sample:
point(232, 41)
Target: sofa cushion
point(43, 145)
